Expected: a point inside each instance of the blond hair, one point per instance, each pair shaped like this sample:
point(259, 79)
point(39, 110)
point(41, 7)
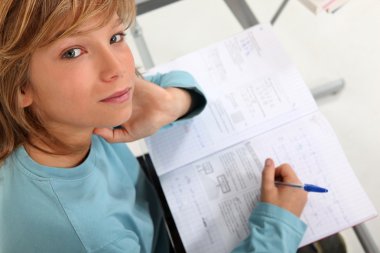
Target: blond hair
point(25, 26)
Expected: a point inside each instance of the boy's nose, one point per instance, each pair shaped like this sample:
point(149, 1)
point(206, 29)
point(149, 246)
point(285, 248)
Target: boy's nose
point(111, 66)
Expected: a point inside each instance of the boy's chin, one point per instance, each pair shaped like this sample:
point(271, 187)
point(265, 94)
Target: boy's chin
point(117, 123)
point(121, 119)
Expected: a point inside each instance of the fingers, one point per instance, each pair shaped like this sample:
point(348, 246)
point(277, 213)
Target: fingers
point(268, 174)
point(288, 198)
point(283, 173)
point(286, 173)
point(113, 135)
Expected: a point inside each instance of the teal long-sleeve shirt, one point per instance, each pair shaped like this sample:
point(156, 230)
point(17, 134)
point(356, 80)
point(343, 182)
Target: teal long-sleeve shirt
point(106, 204)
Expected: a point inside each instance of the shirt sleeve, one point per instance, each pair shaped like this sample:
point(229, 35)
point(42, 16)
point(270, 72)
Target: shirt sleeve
point(184, 80)
point(273, 229)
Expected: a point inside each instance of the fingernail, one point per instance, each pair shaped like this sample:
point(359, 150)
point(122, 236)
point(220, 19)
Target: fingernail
point(268, 162)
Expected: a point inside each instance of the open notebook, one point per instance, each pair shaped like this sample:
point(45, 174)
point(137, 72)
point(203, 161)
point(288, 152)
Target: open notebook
point(258, 106)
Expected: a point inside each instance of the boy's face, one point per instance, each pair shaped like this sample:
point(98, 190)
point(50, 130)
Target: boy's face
point(83, 81)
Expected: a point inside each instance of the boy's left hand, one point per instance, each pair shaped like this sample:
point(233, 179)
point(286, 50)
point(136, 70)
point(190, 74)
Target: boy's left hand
point(152, 108)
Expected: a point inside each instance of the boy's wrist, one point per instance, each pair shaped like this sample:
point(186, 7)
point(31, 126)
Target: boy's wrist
point(181, 101)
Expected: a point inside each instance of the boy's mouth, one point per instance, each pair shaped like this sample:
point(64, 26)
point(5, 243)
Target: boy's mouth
point(118, 97)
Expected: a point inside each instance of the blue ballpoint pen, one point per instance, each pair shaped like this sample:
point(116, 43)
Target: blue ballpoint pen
point(306, 187)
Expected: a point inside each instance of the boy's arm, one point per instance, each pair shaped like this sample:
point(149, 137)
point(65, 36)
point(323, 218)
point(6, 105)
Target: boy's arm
point(273, 229)
point(177, 96)
point(181, 80)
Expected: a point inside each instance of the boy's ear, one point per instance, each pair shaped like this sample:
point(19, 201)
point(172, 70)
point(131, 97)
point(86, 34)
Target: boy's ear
point(25, 96)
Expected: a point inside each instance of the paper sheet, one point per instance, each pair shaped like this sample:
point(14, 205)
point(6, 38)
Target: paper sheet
point(250, 85)
point(212, 198)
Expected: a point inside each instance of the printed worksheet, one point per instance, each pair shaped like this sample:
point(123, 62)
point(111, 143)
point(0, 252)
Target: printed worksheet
point(250, 85)
point(212, 198)
point(258, 107)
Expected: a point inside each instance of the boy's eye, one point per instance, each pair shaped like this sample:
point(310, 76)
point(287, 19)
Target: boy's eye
point(72, 53)
point(117, 37)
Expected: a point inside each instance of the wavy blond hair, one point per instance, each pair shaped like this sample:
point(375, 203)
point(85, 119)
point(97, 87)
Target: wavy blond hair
point(25, 26)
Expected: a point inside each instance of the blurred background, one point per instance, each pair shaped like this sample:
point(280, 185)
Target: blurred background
point(324, 46)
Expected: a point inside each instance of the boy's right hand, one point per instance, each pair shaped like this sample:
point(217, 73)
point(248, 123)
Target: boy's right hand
point(152, 108)
point(289, 198)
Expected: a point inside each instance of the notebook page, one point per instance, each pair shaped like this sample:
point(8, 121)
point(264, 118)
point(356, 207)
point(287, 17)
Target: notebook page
point(212, 198)
point(251, 85)
point(312, 148)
